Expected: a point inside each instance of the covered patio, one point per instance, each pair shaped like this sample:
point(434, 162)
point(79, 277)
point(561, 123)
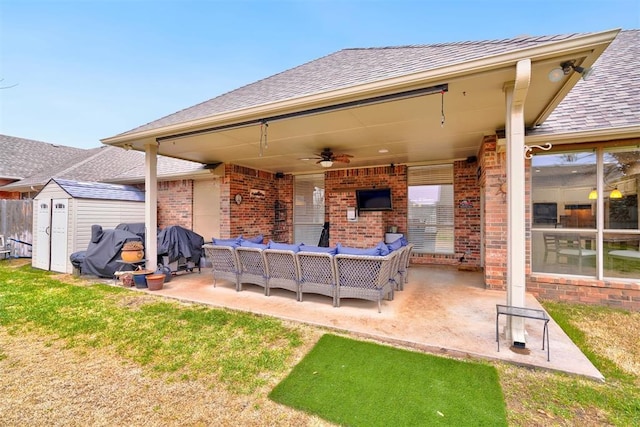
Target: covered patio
point(441, 310)
point(381, 112)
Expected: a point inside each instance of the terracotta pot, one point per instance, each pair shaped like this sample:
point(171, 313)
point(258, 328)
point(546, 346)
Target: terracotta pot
point(132, 256)
point(155, 281)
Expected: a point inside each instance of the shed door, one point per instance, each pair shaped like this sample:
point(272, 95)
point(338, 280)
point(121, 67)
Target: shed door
point(43, 240)
point(59, 244)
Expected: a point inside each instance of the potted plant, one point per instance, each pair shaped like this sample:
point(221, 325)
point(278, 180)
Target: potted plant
point(132, 251)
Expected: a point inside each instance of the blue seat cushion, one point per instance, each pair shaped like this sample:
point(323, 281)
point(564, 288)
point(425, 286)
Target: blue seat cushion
point(284, 246)
point(319, 249)
point(250, 244)
point(227, 242)
point(257, 239)
point(395, 245)
point(379, 250)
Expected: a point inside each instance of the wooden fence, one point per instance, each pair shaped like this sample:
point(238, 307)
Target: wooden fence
point(16, 225)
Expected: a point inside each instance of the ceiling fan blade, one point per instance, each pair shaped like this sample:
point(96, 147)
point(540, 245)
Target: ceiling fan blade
point(344, 158)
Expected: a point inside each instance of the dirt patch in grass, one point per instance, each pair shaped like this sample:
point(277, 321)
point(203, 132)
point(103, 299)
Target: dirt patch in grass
point(616, 336)
point(540, 398)
point(531, 399)
point(45, 384)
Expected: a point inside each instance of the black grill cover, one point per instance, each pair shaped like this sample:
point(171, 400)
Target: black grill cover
point(134, 227)
point(175, 242)
point(103, 251)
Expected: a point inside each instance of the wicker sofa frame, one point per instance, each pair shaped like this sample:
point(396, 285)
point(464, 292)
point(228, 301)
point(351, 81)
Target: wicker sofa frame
point(338, 276)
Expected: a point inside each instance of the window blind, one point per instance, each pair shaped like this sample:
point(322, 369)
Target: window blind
point(430, 210)
point(308, 208)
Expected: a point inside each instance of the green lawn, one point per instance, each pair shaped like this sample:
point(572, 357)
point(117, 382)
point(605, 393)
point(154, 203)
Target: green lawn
point(341, 380)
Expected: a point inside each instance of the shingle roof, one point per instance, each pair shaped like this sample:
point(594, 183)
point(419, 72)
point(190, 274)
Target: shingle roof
point(105, 163)
point(96, 190)
point(347, 68)
point(609, 99)
point(24, 157)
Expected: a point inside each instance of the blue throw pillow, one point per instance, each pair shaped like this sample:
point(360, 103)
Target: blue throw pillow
point(227, 242)
point(383, 249)
point(258, 239)
point(284, 246)
point(395, 245)
point(357, 251)
point(405, 242)
point(250, 244)
point(319, 249)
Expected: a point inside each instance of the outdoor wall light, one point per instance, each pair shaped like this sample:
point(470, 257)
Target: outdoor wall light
point(556, 74)
point(569, 66)
point(326, 163)
point(593, 195)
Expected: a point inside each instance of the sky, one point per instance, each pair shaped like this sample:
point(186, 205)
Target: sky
point(77, 71)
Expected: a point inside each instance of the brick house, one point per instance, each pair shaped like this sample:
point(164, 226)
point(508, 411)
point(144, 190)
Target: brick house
point(487, 147)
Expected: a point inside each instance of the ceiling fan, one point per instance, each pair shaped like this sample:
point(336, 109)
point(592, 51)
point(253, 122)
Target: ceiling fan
point(327, 157)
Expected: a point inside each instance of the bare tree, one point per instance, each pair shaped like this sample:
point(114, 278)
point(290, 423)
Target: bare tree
point(7, 87)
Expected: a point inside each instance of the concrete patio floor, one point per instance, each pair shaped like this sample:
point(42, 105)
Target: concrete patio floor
point(441, 310)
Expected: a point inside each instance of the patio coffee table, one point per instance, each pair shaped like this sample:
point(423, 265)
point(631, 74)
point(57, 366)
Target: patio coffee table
point(529, 313)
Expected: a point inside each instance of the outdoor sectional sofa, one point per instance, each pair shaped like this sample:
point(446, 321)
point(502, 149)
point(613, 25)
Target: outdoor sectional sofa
point(349, 273)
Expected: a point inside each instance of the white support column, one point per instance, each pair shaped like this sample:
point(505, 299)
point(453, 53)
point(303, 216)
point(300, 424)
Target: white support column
point(516, 94)
point(151, 205)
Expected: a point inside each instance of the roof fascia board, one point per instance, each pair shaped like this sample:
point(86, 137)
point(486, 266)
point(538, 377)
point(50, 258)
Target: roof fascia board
point(608, 134)
point(165, 177)
point(587, 43)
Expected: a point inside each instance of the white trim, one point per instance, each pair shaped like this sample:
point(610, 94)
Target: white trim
point(516, 236)
point(151, 206)
point(597, 135)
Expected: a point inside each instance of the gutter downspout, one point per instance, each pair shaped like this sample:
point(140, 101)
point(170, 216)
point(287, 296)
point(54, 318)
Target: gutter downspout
point(151, 205)
point(516, 93)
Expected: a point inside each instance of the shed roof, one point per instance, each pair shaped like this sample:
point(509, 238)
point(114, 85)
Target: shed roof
point(100, 191)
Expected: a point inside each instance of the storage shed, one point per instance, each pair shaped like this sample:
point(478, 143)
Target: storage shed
point(64, 212)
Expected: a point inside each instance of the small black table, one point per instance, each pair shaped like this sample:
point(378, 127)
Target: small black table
point(529, 313)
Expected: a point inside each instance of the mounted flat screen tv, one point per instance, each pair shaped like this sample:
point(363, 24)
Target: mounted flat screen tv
point(375, 199)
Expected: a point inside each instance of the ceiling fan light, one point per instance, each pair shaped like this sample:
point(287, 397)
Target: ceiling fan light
point(615, 194)
point(326, 163)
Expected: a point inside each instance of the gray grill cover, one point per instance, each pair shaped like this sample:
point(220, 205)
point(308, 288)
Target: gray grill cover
point(175, 242)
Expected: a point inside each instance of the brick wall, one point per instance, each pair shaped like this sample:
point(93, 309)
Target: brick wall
point(467, 218)
point(175, 203)
point(8, 195)
point(624, 295)
point(492, 182)
point(259, 191)
point(621, 294)
point(340, 186)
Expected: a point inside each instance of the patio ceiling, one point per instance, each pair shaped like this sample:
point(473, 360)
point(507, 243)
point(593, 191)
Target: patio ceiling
point(409, 129)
